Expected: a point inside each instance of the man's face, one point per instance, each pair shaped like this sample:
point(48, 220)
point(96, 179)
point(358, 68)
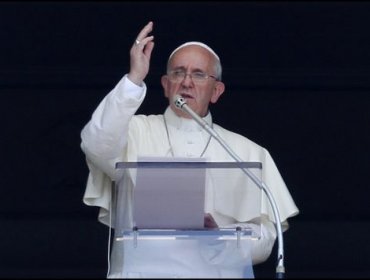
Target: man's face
point(192, 60)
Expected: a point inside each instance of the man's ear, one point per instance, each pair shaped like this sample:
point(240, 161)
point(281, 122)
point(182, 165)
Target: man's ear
point(218, 91)
point(164, 82)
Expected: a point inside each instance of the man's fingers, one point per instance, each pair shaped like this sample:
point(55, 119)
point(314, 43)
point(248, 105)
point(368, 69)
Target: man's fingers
point(144, 33)
point(142, 43)
point(148, 49)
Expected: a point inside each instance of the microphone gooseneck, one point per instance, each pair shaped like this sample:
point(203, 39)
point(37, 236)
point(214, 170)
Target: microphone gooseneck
point(180, 103)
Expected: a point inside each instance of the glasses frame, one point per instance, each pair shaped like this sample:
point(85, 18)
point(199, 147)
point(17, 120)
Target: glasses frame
point(179, 79)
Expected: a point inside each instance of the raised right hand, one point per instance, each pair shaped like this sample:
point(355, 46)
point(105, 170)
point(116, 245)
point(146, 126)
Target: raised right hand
point(140, 53)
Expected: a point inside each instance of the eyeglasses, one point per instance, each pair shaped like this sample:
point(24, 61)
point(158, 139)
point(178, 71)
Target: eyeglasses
point(197, 77)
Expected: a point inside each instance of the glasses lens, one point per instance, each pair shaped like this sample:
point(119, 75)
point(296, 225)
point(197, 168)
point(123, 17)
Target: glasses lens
point(199, 76)
point(179, 75)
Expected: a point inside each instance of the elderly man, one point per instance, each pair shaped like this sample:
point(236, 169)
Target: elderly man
point(116, 134)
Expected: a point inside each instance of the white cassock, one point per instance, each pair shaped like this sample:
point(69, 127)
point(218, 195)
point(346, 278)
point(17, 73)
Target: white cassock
point(116, 134)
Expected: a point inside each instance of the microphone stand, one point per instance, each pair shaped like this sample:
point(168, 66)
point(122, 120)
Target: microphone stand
point(280, 269)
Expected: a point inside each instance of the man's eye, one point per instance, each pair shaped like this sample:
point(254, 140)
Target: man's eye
point(178, 73)
point(198, 75)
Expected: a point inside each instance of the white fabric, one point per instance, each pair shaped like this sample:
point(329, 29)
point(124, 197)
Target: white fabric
point(116, 134)
point(196, 44)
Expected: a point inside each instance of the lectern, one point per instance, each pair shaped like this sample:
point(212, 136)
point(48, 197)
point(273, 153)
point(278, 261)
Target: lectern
point(158, 212)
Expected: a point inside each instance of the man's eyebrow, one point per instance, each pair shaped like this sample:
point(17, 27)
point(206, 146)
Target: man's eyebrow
point(184, 69)
point(179, 68)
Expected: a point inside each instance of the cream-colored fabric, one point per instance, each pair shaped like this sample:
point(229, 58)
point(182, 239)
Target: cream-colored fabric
point(116, 134)
point(196, 44)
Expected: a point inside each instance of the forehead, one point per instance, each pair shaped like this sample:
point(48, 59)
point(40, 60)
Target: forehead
point(192, 56)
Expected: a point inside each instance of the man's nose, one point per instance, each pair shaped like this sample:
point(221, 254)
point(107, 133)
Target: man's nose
point(187, 79)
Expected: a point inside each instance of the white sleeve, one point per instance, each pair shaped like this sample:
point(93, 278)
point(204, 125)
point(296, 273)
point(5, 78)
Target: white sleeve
point(104, 139)
point(262, 247)
point(256, 250)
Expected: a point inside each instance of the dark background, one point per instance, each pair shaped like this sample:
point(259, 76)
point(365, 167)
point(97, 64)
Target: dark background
point(298, 80)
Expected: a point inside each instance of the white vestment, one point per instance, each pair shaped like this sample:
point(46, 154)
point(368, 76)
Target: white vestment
point(116, 134)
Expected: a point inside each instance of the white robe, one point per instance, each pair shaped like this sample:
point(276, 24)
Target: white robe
point(116, 134)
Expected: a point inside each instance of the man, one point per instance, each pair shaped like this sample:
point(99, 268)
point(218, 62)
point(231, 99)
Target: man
point(116, 134)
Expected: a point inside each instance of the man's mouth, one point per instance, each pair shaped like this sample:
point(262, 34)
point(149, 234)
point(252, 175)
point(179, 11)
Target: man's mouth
point(186, 96)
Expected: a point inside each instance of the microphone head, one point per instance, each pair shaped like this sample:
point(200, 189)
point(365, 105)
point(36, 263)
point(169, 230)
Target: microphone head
point(179, 101)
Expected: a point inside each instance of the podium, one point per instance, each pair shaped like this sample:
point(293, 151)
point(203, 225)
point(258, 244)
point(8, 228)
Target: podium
point(149, 240)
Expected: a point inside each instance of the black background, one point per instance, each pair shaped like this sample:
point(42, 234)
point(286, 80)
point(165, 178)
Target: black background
point(297, 77)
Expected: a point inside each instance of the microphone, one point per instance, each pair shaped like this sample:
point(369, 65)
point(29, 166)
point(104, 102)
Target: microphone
point(180, 103)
